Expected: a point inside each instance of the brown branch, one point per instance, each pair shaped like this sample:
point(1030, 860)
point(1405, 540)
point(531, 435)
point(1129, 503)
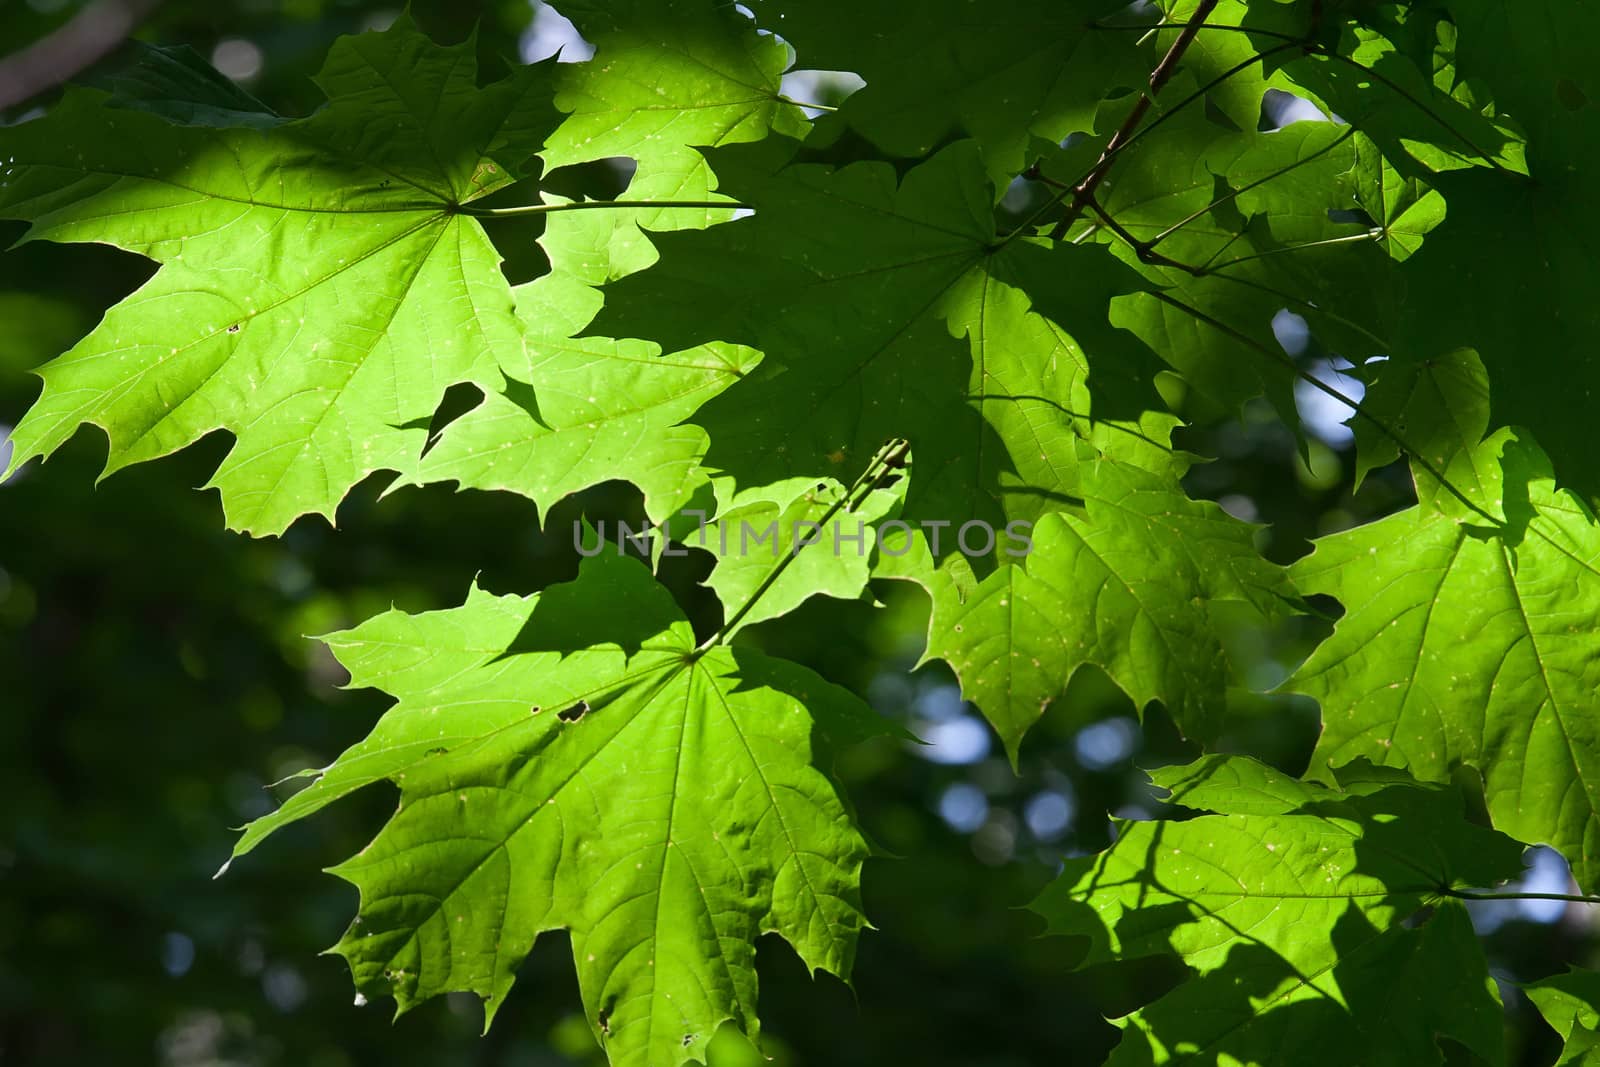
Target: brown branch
point(1159, 77)
point(1142, 249)
point(87, 38)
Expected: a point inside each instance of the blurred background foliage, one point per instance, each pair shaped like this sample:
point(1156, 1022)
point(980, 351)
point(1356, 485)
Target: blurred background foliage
point(155, 678)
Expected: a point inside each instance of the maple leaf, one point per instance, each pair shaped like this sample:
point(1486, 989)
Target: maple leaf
point(668, 77)
point(1467, 642)
point(1287, 903)
point(1506, 274)
point(319, 287)
point(867, 298)
point(1127, 583)
point(572, 760)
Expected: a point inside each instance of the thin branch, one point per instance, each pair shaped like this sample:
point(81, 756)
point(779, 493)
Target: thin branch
point(1158, 78)
point(91, 35)
point(592, 205)
point(1035, 174)
point(1109, 154)
point(1237, 68)
point(1088, 232)
point(801, 103)
point(1140, 248)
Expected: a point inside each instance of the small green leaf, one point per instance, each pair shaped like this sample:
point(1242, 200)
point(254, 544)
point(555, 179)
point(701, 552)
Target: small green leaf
point(1128, 585)
point(828, 545)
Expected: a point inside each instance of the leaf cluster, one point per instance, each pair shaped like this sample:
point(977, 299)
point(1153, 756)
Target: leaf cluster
point(962, 328)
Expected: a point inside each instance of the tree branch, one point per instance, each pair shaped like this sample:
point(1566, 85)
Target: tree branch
point(1158, 78)
point(82, 42)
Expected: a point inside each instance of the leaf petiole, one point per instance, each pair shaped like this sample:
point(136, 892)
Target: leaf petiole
point(594, 205)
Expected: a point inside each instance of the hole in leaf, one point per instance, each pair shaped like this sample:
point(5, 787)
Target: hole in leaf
point(456, 402)
point(574, 713)
point(828, 88)
point(1280, 109)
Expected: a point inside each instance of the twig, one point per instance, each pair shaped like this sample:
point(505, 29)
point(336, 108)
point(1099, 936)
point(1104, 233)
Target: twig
point(1036, 173)
point(1312, 47)
point(1158, 78)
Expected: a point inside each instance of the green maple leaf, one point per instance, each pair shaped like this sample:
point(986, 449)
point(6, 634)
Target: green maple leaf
point(1570, 1003)
point(1287, 905)
point(1032, 317)
point(1440, 410)
point(571, 760)
point(1128, 584)
point(839, 272)
point(867, 297)
point(319, 287)
point(1003, 72)
point(1404, 209)
point(1468, 640)
point(668, 78)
